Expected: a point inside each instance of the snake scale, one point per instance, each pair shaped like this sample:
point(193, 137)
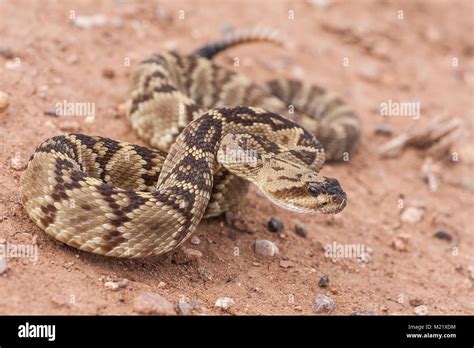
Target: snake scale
point(212, 131)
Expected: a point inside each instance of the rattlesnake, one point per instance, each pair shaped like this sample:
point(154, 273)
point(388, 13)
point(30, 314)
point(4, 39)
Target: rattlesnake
point(119, 199)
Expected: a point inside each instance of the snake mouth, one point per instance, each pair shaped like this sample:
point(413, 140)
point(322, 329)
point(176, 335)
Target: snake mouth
point(334, 205)
point(339, 203)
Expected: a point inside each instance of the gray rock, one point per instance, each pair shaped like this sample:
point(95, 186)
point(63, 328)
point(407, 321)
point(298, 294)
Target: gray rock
point(184, 307)
point(265, 247)
point(275, 225)
point(443, 235)
point(195, 240)
point(301, 231)
point(324, 281)
point(323, 303)
point(186, 255)
point(150, 303)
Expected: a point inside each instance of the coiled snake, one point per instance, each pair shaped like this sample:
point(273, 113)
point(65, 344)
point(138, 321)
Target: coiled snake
point(119, 199)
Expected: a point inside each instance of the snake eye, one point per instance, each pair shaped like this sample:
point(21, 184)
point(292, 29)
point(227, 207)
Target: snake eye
point(314, 189)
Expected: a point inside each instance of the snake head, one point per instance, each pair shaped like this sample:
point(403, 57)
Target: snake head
point(301, 189)
point(282, 176)
point(329, 196)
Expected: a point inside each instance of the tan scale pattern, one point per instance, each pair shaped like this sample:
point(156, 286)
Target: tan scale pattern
point(119, 199)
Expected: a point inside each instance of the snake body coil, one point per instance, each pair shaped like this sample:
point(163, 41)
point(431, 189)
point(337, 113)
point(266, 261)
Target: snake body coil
point(118, 199)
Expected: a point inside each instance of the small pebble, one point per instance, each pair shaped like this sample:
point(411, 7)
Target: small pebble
point(111, 285)
point(3, 101)
point(161, 284)
point(229, 218)
point(275, 225)
point(324, 281)
point(150, 303)
point(301, 231)
point(443, 235)
point(108, 73)
point(412, 215)
point(415, 302)
point(400, 242)
point(116, 285)
point(205, 274)
point(421, 310)
point(192, 254)
point(3, 265)
point(383, 129)
point(186, 255)
point(365, 257)
point(87, 22)
point(470, 270)
point(224, 303)
point(6, 53)
point(323, 303)
point(195, 240)
point(50, 112)
point(15, 163)
point(369, 72)
point(265, 247)
point(185, 308)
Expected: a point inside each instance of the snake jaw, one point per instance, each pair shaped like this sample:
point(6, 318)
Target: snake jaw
point(330, 197)
point(322, 204)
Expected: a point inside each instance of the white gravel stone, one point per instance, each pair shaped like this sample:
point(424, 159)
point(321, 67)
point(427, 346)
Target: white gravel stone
point(87, 22)
point(265, 247)
point(224, 303)
point(185, 307)
point(116, 285)
point(323, 303)
point(195, 240)
point(421, 310)
point(412, 215)
point(15, 163)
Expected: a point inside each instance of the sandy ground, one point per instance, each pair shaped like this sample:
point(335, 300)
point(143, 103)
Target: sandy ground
point(369, 52)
